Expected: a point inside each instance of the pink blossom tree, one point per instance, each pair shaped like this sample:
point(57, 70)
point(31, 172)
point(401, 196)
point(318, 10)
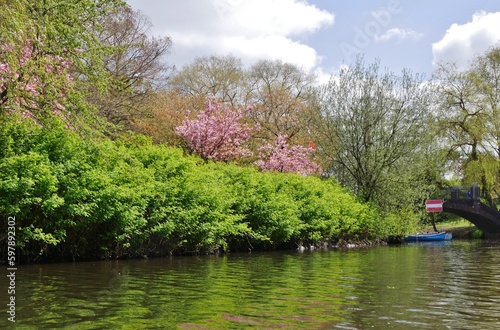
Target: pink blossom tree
point(32, 81)
point(217, 133)
point(282, 158)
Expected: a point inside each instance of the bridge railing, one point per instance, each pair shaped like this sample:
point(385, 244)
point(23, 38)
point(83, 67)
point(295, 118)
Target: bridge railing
point(473, 192)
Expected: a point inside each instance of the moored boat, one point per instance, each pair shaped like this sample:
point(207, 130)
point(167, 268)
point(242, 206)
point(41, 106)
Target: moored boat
point(429, 237)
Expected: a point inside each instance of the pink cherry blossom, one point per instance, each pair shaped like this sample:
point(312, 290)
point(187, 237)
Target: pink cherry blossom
point(282, 158)
point(217, 133)
point(24, 89)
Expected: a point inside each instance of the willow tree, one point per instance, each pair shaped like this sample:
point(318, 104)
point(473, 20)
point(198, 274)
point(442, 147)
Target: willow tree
point(373, 130)
point(469, 101)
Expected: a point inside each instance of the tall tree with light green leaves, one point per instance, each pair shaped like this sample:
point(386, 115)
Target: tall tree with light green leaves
point(373, 128)
point(469, 101)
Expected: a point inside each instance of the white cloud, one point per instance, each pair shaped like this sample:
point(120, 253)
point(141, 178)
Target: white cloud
point(399, 34)
point(322, 76)
point(271, 46)
point(251, 30)
point(278, 17)
point(461, 43)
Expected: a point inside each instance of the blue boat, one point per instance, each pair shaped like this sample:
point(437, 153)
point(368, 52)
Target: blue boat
point(429, 237)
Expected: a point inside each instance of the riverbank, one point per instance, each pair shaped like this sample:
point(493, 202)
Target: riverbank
point(461, 229)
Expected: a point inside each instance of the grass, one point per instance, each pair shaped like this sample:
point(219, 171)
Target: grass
point(459, 228)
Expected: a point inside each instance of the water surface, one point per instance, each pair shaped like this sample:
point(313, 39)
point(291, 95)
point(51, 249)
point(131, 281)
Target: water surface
point(413, 286)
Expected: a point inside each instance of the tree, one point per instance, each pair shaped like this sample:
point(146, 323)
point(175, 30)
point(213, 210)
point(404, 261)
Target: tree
point(26, 90)
point(282, 158)
point(281, 94)
point(372, 125)
point(469, 101)
point(219, 76)
point(40, 40)
point(135, 64)
point(217, 133)
point(168, 111)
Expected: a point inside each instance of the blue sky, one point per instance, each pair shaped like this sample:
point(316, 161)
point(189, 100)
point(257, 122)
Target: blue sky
point(323, 35)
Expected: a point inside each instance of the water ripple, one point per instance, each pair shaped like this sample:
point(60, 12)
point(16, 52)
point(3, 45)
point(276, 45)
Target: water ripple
point(405, 287)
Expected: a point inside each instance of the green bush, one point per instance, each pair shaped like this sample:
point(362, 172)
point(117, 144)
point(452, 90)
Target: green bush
point(96, 198)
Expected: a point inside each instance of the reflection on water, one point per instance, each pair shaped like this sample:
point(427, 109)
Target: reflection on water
point(414, 286)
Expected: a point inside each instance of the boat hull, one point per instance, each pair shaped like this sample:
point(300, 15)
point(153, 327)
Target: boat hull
point(429, 237)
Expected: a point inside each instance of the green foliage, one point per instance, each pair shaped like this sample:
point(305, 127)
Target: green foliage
point(371, 124)
point(88, 198)
point(470, 102)
point(402, 222)
point(78, 196)
point(477, 234)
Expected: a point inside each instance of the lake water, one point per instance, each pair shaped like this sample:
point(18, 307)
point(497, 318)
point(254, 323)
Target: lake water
point(414, 286)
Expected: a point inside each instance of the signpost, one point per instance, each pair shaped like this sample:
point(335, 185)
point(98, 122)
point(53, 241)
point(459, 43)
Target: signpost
point(434, 205)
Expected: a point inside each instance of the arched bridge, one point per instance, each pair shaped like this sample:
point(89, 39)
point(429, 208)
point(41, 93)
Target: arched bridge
point(469, 207)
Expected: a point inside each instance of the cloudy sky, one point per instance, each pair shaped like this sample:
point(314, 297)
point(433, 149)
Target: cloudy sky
point(323, 35)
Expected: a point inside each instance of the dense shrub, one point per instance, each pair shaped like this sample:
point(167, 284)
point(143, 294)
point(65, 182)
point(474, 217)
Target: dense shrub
point(88, 198)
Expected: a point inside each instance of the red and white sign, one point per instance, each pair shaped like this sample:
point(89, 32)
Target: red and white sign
point(434, 205)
